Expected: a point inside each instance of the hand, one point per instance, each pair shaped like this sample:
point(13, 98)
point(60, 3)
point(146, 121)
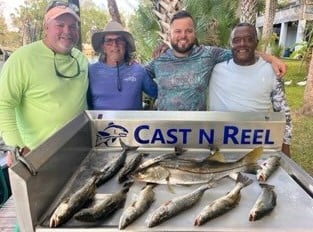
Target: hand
point(24, 151)
point(286, 149)
point(279, 67)
point(10, 156)
point(159, 50)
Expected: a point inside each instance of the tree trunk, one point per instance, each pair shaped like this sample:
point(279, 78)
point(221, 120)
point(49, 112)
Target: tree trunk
point(114, 12)
point(248, 11)
point(307, 108)
point(269, 15)
point(79, 43)
point(164, 10)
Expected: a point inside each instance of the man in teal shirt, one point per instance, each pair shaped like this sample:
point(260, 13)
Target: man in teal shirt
point(43, 85)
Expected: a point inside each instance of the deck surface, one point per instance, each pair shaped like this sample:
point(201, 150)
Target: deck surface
point(8, 216)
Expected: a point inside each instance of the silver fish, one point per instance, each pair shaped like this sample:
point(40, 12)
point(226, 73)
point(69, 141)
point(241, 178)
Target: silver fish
point(138, 207)
point(175, 206)
point(215, 165)
point(178, 151)
point(112, 167)
point(268, 167)
point(74, 203)
point(130, 167)
point(161, 175)
point(265, 203)
point(104, 208)
point(223, 204)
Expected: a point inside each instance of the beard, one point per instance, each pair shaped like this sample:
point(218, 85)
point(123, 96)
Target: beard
point(183, 49)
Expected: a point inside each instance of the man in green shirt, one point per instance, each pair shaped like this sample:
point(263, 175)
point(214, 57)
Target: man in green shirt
point(43, 85)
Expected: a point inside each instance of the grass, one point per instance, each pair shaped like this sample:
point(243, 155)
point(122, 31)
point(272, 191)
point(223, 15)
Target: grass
point(301, 147)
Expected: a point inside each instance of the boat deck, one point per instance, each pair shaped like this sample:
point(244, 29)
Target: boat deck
point(8, 216)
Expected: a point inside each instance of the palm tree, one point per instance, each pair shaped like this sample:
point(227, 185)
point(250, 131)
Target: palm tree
point(248, 10)
point(114, 12)
point(164, 10)
point(307, 108)
point(269, 15)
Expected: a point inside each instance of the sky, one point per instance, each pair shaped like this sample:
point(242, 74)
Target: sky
point(126, 6)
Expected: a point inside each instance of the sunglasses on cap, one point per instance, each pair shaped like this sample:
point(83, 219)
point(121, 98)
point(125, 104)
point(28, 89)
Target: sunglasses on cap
point(61, 4)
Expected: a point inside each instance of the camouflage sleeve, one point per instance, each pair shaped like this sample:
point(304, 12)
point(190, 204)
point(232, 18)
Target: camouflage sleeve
point(280, 105)
point(220, 54)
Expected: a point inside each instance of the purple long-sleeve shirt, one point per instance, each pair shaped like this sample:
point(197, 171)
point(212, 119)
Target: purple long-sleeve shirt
point(118, 88)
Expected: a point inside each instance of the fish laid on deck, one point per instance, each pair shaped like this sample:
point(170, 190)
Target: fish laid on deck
point(213, 165)
point(112, 167)
point(197, 173)
point(137, 207)
point(268, 167)
point(130, 167)
point(223, 204)
point(74, 203)
point(178, 151)
point(175, 206)
point(265, 203)
point(105, 207)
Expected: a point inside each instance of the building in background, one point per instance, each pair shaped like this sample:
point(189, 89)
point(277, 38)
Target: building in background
point(290, 23)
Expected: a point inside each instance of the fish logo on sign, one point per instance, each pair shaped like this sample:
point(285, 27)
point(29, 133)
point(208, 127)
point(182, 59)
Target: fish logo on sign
point(110, 134)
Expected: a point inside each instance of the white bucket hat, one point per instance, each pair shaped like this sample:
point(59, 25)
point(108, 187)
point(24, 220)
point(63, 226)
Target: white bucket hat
point(112, 27)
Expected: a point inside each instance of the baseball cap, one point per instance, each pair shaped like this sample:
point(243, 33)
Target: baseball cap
point(60, 8)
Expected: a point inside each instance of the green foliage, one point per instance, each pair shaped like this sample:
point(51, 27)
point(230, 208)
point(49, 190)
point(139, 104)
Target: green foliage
point(296, 70)
point(144, 26)
point(301, 147)
point(92, 19)
point(214, 20)
point(28, 19)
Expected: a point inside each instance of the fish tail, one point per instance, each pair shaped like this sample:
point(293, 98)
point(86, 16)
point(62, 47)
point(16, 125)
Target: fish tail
point(268, 186)
point(244, 180)
point(126, 147)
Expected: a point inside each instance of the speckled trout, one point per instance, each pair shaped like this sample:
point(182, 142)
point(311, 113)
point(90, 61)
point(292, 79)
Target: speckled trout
point(268, 167)
point(112, 167)
point(175, 206)
point(265, 203)
point(68, 207)
point(223, 204)
point(139, 206)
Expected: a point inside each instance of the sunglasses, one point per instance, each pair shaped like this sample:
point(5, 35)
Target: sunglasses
point(59, 74)
point(61, 4)
point(110, 42)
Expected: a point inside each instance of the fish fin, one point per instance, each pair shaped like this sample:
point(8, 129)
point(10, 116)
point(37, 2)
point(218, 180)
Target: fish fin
point(252, 156)
point(213, 148)
point(126, 147)
point(217, 156)
point(233, 176)
point(179, 149)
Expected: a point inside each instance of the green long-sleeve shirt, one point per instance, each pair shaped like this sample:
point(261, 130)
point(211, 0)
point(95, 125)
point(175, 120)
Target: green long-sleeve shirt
point(34, 101)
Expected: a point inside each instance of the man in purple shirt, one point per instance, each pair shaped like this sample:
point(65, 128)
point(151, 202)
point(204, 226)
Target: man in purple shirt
point(114, 83)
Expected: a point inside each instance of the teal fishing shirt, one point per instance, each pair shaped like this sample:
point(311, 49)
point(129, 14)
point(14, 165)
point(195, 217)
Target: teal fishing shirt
point(183, 81)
